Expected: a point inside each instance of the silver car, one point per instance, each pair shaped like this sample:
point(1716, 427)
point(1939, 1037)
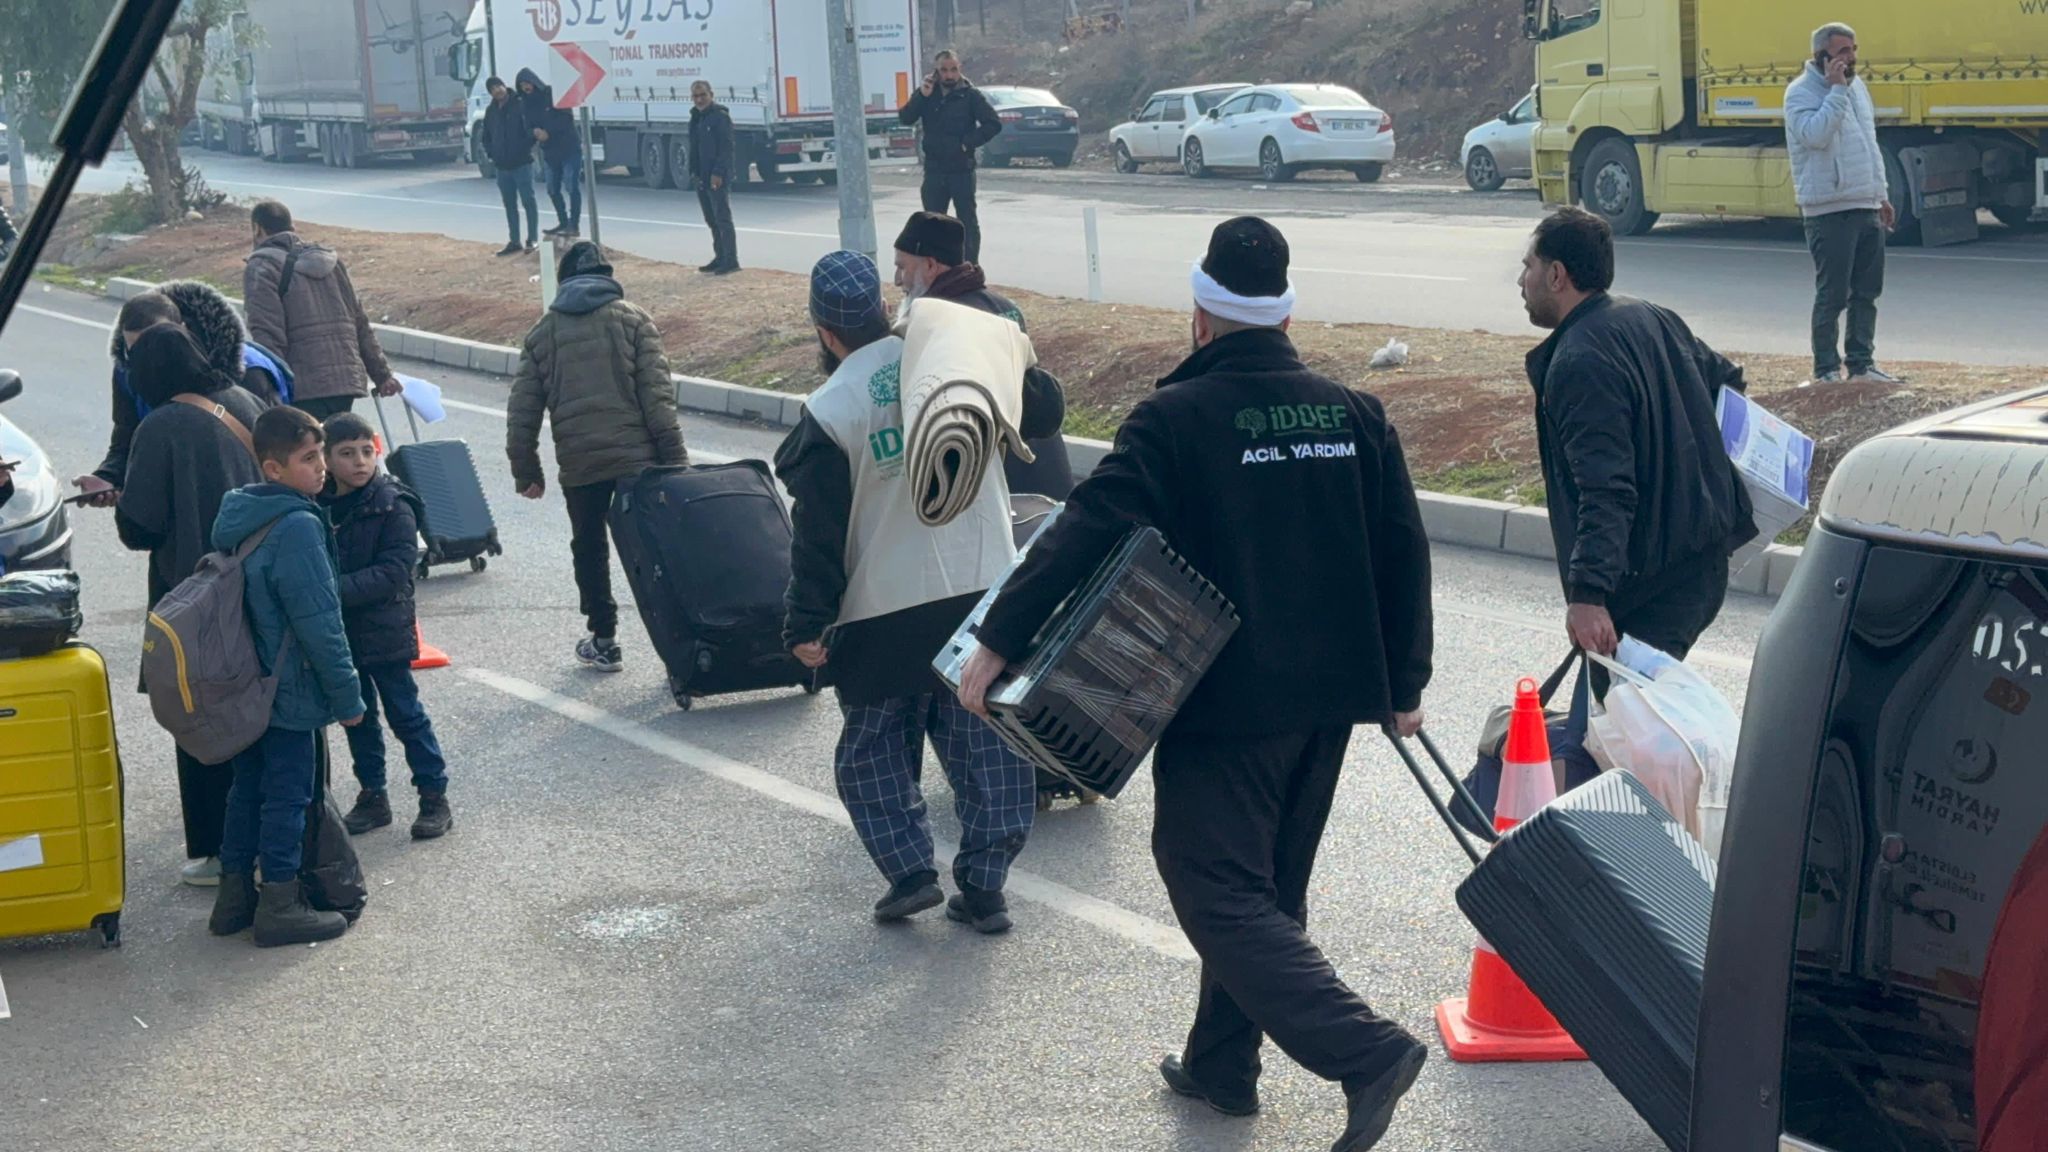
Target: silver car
point(1501, 149)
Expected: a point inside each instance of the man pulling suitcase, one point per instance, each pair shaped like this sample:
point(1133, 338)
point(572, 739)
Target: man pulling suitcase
point(1291, 494)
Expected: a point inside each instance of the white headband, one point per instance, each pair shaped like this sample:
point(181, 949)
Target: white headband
point(1258, 311)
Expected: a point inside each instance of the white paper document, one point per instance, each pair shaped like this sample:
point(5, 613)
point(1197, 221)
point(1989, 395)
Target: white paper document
point(423, 398)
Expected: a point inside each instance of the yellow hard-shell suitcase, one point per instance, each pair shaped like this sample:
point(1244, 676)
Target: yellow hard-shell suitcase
point(62, 854)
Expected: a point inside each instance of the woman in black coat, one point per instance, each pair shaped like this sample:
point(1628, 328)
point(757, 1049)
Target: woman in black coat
point(182, 461)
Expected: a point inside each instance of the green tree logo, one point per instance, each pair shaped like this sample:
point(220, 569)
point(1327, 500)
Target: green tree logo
point(886, 384)
point(1252, 422)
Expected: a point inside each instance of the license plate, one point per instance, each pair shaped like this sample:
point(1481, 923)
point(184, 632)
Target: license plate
point(1347, 125)
point(1043, 123)
point(1955, 199)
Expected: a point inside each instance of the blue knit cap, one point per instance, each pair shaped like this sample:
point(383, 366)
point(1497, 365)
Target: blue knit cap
point(846, 291)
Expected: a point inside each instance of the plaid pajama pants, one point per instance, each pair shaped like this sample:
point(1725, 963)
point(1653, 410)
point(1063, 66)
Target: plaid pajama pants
point(878, 765)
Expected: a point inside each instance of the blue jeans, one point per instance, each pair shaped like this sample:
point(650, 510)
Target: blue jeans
point(401, 697)
point(569, 169)
point(266, 817)
point(515, 187)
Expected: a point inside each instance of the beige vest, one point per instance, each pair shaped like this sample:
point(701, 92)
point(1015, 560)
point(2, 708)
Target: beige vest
point(893, 561)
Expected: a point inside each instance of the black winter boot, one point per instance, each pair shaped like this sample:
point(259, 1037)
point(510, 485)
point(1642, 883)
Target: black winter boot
point(985, 912)
point(234, 905)
point(435, 819)
point(284, 917)
point(372, 810)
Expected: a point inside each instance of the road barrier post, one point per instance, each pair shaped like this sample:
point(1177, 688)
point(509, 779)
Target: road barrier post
point(589, 174)
point(548, 286)
point(1094, 255)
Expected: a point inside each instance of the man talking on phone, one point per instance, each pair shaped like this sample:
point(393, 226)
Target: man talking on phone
point(1838, 174)
point(957, 120)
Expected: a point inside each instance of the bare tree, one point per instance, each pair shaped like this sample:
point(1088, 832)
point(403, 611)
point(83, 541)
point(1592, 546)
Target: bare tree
point(169, 98)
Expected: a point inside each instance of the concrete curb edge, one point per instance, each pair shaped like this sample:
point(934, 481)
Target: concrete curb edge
point(1487, 525)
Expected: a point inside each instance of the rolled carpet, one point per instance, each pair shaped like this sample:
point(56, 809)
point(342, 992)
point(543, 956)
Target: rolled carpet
point(963, 399)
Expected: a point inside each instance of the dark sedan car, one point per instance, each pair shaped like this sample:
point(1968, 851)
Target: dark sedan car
point(1035, 123)
point(34, 531)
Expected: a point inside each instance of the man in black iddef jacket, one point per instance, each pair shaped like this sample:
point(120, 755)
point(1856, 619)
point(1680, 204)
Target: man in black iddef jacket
point(1290, 493)
point(957, 120)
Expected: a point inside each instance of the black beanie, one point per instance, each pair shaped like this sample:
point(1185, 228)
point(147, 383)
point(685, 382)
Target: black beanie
point(1248, 256)
point(584, 258)
point(941, 238)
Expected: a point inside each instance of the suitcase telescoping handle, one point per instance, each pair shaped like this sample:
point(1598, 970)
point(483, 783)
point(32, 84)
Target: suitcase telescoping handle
point(378, 401)
point(1459, 793)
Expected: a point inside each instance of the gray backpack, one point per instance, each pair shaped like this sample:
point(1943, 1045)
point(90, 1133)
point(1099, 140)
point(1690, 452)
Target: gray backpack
point(199, 660)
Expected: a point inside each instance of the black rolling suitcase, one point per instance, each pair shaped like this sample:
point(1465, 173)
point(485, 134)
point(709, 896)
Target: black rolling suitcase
point(1601, 903)
point(457, 524)
point(707, 550)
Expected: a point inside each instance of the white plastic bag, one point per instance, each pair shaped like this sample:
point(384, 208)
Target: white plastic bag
point(1667, 726)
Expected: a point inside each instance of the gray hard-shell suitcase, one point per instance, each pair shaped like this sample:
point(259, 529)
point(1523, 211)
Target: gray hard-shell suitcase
point(456, 520)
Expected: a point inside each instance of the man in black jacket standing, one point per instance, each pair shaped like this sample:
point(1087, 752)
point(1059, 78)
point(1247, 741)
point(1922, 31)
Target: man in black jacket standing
point(712, 165)
point(1645, 506)
point(957, 120)
point(931, 260)
point(508, 141)
point(1290, 492)
point(561, 152)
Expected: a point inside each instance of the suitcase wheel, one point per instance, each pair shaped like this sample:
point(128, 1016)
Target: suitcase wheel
point(478, 563)
point(109, 928)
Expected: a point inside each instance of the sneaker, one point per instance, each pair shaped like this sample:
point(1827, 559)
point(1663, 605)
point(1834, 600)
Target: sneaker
point(1179, 1079)
point(435, 819)
point(1875, 375)
point(558, 230)
point(532, 246)
point(909, 896)
point(712, 267)
point(1372, 1103)
point(511, 249)
point(601, 653)
point(201, 873)
point(985, 912)
point(1831, 377)
point(372, 810)
point(726, 269)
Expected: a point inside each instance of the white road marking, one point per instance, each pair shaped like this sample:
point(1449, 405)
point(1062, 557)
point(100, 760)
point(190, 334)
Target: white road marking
point(1143, 931)
point(81, 321)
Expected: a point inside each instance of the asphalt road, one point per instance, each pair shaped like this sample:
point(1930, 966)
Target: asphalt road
point(649, 930)
point(1398, 253)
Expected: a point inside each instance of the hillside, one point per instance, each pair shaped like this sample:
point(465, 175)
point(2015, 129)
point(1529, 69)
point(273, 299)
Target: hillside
point(1440, 66)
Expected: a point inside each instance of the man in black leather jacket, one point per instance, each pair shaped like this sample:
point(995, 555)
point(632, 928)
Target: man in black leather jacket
point(957, 120)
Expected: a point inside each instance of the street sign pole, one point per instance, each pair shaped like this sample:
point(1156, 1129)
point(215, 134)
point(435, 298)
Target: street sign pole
point(850, 127)
point(589, 173)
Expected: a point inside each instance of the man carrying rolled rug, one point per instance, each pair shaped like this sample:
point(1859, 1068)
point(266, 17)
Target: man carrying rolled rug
point(876, 593)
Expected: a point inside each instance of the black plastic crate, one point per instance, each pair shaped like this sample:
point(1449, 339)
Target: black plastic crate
point(1109, 670)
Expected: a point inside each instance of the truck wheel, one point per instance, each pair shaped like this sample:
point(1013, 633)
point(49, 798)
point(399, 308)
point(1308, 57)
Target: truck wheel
point(1612, 186)
point(654, 167)
point(679, 160)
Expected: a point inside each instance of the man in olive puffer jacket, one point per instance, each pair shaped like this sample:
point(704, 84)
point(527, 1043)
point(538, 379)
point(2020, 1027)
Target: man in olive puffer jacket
point(595, 368)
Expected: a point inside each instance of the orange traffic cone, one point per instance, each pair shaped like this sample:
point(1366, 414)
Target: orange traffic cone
point(1499, 1019)
point(430, 656)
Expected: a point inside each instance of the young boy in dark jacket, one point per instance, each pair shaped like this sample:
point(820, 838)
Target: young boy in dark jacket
point(376, 537)
point(294, 608)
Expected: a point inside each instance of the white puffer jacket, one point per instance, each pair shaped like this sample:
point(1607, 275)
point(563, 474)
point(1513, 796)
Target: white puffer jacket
point(1832, 133)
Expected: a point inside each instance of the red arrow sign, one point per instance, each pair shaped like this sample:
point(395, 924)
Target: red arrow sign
point(589, 73)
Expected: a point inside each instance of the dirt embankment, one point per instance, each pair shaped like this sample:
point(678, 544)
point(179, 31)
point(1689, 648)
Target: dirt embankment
point(1461, 404)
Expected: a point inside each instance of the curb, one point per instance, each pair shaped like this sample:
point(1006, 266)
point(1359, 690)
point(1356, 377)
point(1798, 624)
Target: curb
point(1487, 525)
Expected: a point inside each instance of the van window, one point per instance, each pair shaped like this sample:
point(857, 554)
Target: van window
point(1923, 912)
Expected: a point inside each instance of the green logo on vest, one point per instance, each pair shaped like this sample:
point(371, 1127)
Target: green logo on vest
point(1293, 420)
point(886, 384)
point(886, 445)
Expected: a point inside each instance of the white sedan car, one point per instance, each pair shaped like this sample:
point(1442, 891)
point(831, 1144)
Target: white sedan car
point(1152, 134)
point(1282, 129)
point(1502, 149)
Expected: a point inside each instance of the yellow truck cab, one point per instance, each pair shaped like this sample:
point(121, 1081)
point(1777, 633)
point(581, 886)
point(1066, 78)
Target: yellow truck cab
point(1656, 106)
point(1874, 974)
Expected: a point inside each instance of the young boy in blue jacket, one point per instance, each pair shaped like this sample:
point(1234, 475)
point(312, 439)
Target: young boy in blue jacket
point(293, 600)
point(376, 539)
